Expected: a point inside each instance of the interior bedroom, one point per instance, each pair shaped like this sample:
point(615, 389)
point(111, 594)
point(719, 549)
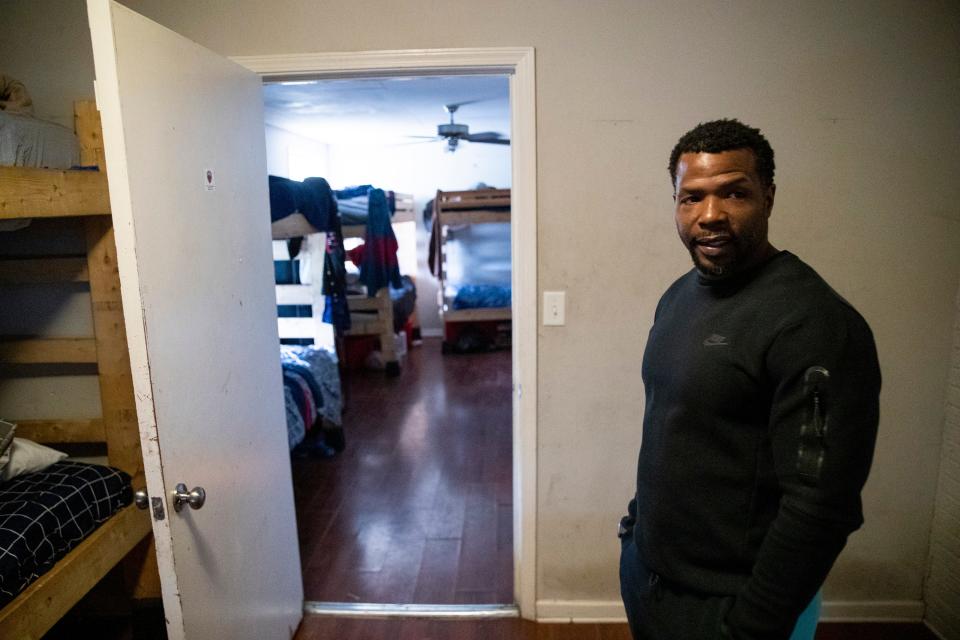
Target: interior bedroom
point(390, 207)
point(188, 450)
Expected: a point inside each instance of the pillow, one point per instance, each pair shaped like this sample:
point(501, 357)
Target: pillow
point(7, 429)
point(27, 456)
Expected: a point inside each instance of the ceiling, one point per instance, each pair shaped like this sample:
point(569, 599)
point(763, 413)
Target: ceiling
point(386, 110)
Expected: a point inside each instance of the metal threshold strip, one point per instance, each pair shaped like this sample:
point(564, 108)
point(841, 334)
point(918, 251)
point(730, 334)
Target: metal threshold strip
point(375, 610)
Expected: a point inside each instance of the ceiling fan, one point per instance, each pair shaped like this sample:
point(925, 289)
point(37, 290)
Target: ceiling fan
point(454, 132)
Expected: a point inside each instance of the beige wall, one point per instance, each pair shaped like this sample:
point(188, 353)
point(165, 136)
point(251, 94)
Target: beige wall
point(859, 99)
point(942, 588)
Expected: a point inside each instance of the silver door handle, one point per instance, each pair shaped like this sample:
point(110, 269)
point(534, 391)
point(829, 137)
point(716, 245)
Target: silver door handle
point(195, 497)
point(141, 499)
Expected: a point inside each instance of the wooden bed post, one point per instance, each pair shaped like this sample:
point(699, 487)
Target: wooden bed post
point(117, 401)
point(86, 124)
point(113, 360)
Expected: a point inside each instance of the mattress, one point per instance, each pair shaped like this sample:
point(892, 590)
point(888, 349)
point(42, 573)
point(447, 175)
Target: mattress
point(31, 142)
point(45, 514)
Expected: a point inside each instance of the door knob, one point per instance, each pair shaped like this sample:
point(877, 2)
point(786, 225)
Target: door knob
point(195, 497)
point(141, 499)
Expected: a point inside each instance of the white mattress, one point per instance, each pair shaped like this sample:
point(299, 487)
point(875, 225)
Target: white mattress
point(30, 142)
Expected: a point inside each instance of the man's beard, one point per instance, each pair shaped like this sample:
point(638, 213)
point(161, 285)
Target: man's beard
point(746, 246)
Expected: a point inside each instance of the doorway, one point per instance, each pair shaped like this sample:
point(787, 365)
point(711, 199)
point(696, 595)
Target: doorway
point(518, 65)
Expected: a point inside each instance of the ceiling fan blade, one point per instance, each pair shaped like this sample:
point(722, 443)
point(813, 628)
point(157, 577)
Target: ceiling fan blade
point(455, 105)
point(422, 140)
point(491, 137)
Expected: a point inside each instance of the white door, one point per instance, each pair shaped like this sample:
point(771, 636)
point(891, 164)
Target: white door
point(184, 136)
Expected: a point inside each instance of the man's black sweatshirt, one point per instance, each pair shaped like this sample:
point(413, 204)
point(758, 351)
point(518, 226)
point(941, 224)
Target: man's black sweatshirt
point(762, 395)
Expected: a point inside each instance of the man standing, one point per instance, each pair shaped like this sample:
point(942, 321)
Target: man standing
point(762, 389)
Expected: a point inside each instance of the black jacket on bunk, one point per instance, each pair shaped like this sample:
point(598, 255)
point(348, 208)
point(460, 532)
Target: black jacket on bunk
point(313, 198)
point(761, 416)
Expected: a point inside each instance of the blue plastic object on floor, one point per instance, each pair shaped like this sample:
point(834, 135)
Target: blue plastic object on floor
point(807, 622)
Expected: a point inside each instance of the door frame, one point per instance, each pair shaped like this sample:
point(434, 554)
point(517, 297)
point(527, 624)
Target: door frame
point(518, 64)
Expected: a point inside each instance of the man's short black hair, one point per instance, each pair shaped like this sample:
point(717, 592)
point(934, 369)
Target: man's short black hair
point(725, 135)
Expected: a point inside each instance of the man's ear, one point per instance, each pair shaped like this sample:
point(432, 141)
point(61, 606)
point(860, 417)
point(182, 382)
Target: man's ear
point(769, 197)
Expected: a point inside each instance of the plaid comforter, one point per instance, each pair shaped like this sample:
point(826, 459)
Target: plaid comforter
point(45, 514)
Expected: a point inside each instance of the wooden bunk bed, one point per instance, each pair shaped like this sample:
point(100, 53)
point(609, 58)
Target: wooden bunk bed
point(374, 315)
point(453, 208)
point(44, 193)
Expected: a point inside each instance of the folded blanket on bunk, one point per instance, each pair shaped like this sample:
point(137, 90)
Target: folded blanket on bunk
point(45, 514)
point(313, 198)
point(353, 203)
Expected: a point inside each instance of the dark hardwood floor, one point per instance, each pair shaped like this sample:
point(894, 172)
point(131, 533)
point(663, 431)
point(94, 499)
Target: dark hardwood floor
point(321, 628)
point(419, 507)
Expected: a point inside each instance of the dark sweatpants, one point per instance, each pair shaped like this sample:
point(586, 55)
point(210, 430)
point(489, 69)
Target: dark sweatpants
point(659, 611)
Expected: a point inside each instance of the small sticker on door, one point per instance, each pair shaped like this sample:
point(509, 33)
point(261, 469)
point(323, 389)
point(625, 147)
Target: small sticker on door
point(209, 180)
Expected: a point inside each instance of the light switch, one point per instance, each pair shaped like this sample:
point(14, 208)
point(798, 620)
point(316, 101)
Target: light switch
point(554, 313)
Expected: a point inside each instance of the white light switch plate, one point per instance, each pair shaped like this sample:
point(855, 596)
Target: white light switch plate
point(554, 312)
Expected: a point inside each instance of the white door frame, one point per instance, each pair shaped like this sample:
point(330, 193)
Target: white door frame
point(518, 63)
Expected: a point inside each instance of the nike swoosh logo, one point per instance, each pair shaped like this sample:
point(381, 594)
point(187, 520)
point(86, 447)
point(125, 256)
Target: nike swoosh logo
point(716, 341)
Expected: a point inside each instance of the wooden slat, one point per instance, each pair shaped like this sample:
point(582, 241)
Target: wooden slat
point(402, 201)
point(301, 294)
point(54, 593)
point(113, 360)
point(476, 216)
point(475, 315)
point(47, 193)
point(59, 431)
point(365, 325)
point(477, 199)
point(381, 325)
point(46, 270)
point(363, 303)
point(297, 327)
point(354, 230)
point(294, 225)
point(360, 230)
point(48, 351)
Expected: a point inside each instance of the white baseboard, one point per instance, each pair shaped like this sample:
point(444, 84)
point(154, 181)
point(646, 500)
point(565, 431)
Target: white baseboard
point(431, 333)
point(594, 611)
point(586, 611)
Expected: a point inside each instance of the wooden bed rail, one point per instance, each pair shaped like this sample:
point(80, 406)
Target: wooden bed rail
point(48, 193)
